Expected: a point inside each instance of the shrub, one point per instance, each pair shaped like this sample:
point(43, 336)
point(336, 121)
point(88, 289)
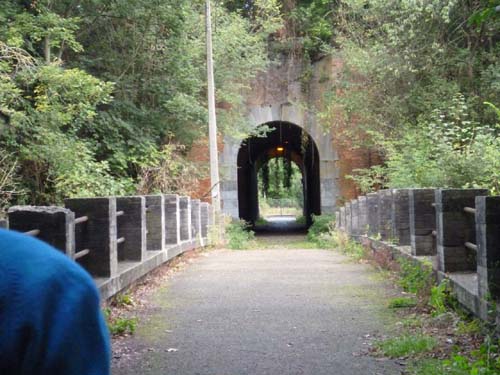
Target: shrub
point(239, 235)
point(321, 224)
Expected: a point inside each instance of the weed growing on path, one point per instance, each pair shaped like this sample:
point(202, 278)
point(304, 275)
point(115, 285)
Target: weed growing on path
point(119, 325)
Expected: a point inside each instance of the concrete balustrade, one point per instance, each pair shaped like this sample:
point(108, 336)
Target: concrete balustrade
point(131, 226)
point(455, 228)
point(96, 235)
point(109, 236)
point(172, 219)
point(54, 224)
point(422, 221)
point(400, 216)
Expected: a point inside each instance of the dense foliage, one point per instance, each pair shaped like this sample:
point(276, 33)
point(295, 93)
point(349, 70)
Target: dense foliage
point(280, 184)
point(106, 97)
point(420, 83)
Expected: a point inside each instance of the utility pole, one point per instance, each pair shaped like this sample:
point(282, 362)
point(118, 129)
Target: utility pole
point(212, 121)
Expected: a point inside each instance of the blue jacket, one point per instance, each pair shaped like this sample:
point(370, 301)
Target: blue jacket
point(50, 318)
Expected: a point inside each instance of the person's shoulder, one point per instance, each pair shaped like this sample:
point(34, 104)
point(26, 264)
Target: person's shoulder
point(37, 260)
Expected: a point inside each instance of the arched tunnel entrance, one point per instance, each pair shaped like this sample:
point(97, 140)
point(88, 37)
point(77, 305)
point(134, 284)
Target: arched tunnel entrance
point(282, 140)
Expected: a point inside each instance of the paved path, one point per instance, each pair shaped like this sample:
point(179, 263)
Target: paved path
point(262, 312)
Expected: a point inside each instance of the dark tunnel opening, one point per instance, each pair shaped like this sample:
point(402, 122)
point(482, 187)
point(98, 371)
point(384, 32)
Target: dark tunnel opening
point(282, 140)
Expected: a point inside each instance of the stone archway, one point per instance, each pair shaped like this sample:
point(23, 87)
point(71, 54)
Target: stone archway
point(281, 113)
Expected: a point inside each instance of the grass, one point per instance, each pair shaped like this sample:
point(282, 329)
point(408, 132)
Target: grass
point(402, 302)
point(407, 345)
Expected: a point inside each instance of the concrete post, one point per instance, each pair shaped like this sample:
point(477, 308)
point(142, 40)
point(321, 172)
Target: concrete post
point(488, 246)
point(400, 216)
point(355, 217)
point(172, 220)
point(385, 214)
point(185, 211)
point(372, 206)
point(195, 218)
point(155, 222)
point(97, 234)
point(337, 219)
point(204, 219)
point(422, 221)
point(342, 218)
point(348, 218)
point(363, 215)
point(56, 225)
point(131, 225)
point(455, 227)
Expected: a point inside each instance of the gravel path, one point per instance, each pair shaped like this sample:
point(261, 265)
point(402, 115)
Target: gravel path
point(259, 312)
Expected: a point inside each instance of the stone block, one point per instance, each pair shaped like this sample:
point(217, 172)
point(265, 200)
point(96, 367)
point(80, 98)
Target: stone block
point(56, 225)
point(385, 214)
point(488, 246)
point(185, 211)
point(172, 219)
point(455, 227)
point(98, 234)
point(362, 215)
point(400, 216)
point(131, 225)
point(372, 200)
